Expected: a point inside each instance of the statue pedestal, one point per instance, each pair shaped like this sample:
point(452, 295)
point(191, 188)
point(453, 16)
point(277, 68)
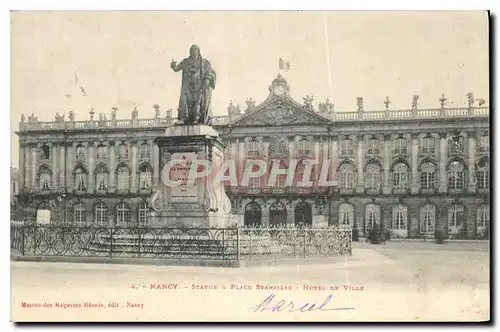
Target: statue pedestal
point(204, 201)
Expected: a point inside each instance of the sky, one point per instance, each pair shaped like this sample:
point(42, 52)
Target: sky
point(122, 59)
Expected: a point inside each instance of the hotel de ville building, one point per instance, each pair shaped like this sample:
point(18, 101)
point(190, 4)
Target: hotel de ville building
point(411, 171)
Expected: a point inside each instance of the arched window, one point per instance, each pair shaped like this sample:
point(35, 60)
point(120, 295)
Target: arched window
point(102, 152)
point(123, 177)
point(346, 172)
point(483, 175)
point(145, 176)
point(428, 176)
point(372, 215)
point(346, 215)
point(427, 219)
point(372, 177)
point(101, 177)
point(455, 218)
point(80, 179)
point(143, 213)
point(400, 176)
point(79, 216)
point(101, 213)
point(456, 175)
point(483, 217)
point(45, 178)
point(144, 151)
point(80, 152)
point(122, 213)
point(400, 217)
point(123, 151)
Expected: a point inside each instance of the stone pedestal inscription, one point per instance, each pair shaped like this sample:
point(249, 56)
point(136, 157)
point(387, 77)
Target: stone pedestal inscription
point(184, 192)
point(180, 200)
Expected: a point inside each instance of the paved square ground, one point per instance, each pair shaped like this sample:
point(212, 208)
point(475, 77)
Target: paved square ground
point(393, 282)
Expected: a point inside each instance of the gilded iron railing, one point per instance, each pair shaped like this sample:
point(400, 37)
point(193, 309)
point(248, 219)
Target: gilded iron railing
point(126, 242)
point(179, 243)
point(294, 241)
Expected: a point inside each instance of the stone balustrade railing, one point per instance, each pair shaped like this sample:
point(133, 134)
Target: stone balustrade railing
point(434, 113)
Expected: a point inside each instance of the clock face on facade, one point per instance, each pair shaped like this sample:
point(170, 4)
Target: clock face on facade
point(279, 90)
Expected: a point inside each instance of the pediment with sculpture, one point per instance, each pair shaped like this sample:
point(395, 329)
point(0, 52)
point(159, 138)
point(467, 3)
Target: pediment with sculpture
point(278, 112)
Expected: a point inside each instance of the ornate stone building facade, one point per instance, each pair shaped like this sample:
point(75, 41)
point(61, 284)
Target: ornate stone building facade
point(410, 171)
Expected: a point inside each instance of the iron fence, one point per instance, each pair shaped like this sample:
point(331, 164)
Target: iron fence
point(294, 242)
point(180, 243)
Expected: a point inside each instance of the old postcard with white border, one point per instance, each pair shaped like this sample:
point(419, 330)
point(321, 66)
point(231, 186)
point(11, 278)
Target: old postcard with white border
point(200, 166)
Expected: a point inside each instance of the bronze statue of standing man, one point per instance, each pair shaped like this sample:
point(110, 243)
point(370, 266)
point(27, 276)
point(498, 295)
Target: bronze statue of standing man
point(198, 81)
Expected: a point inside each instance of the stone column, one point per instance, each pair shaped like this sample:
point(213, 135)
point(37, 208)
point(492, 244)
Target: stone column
point(151, 159)
point(324, 153)
point(22, 166)
point(260, 144)
point(112, 147)
point(133, 163)
point(265, 214)
point(414, 184)
point(443, 158)
point(70, 163)
point(156, 166)
point(27, 165)
point(291, 147)
point(91, 167)
point(34, 161)
point(317, 158)
point(241, 158)
point(360, 188)
point(334, 160)
point(53, 151)
point(386, 188)
point(63, 165)
point(290, 213)
point(471, 187)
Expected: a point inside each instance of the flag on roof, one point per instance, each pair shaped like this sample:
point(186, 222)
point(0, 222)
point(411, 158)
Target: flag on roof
point(284, 65)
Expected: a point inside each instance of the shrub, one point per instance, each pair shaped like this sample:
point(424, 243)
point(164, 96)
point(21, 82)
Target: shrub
point(485, 235)
point(440, 236)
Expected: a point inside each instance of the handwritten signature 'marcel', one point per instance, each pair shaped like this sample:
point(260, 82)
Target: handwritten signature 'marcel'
point(290, 306)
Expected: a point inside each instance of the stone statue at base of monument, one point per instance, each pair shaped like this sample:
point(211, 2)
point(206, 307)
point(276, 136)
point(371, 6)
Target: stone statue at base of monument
point(198, 81)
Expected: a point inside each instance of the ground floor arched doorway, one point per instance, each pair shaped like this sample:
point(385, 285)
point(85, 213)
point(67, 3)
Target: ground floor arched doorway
point(253, 215)
point(303, 214)
point(277, 214)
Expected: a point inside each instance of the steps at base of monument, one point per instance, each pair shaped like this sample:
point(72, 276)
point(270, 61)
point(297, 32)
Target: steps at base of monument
point(160, 247)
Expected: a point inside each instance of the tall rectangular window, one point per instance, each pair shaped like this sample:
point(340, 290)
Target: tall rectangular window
point(400, 146)
point(428, 145)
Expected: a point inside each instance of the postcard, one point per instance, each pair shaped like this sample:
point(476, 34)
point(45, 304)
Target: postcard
point(250, 166)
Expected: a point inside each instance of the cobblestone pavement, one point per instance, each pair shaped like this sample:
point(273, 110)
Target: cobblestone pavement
point(392, 282)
